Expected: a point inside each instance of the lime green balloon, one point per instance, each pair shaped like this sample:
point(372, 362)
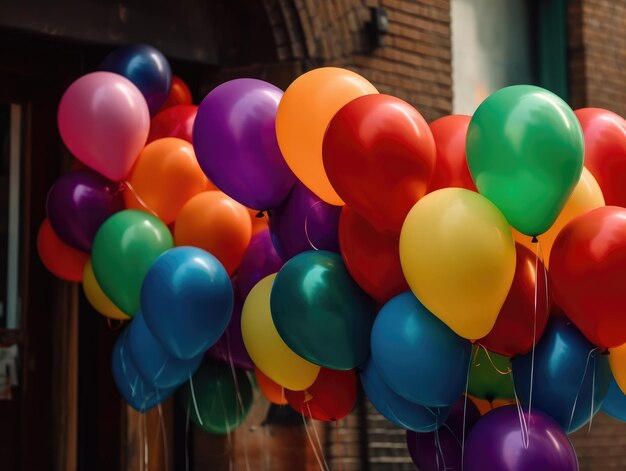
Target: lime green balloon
point(123, 251)
point(525, 152)
point(222, 405)
point(489, 376)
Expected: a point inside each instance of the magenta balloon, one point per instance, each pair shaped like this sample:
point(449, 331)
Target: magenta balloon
point(304, 222)
point(234, 138)
point(259, 261)
point(77, 205)
point(104, 121)
point(496, 443)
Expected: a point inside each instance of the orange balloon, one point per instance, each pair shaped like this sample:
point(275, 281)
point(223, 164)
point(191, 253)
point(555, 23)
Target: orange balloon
point(485, 406)
point(586, 196)
point(164, 178)
point(59, 258)
point(258, 223)
point(216, 223)
point(303, 115)
point(272, 391)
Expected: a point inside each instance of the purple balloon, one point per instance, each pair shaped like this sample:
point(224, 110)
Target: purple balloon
point(259, 261)
point(304, 222)
point(441, 450)
point(234, 138)
point(496, 443)
point(77, 205)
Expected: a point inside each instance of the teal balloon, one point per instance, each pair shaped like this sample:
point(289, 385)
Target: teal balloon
point(123, 250)
point(615, 402)
point(320, 312)
point(525, 152)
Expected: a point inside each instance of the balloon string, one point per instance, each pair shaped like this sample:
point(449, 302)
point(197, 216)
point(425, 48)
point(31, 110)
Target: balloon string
point(161, 370)
point(589, 355)
point(593, 397)
point(488, 354)
point(532, 355)
point(439, 452)
point(239, 400)
point(115, 327)
point(164, 437)
point(469, 365)
point(144, 434)
point(317, 437)
point(522, 418)
point(340, 444)
point(187, 439)
point(306, 225)
point(306, 428)
point(193, 398)
point(139, 199)
point(266, 454)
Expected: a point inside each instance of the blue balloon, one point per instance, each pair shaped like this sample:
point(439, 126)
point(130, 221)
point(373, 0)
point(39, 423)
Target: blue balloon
point(569, 372)
point(615, 402)
point(417, 355)
point(187, 300)
point(147, 68)
point(397, 410)
point(139, 394)
point(155, 365)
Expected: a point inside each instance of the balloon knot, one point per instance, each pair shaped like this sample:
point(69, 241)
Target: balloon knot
point(260, 214)
point(307, 396)
point(269, 213)
point(535, 240)
point(606, 351)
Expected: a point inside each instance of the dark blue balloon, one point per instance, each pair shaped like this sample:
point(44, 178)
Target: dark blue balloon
point(141, 395)
point(569, 373)
point(155, 365)
point(187, 300)
point(615, 402)
point(417, 355)
point(147, 68)
point(397, 410)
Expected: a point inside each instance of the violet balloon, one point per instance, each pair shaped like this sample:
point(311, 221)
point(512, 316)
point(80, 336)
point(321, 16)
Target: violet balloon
point(304, 222)
point(259, 260)
point(77, 205)
point(234, 138)
point(496, 443)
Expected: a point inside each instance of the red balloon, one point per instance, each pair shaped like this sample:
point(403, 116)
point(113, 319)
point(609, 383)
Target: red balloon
point(605, 151)
point(371, 256)
point(588, 274)
point(451, 168)
point(331, 397)
point(59, 258)
point(514, 330)
point(179, 94)
point(176, 121)
point(379, 156)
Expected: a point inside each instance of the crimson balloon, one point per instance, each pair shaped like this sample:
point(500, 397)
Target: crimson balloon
point(175, 121)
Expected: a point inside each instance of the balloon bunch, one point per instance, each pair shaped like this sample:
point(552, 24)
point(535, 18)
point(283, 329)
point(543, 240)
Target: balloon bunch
point(453, 267)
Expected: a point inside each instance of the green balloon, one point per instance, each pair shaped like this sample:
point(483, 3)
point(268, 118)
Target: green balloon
point(525, 152)
point(123, 251)
point(489, 376)
point(320, 312)
point(222, 404)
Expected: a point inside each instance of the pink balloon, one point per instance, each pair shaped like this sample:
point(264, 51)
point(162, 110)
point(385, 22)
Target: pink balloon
point(104, 121)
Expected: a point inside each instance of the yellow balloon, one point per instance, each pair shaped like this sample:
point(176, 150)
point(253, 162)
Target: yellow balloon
point(97, 298)
point(458, 256)
point(303, 115)
point(617, 360)
point(264, 345)
point(586, 196)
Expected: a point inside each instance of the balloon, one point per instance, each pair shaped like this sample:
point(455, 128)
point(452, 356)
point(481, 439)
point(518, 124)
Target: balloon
point(259, 220)
point(176, 121)
point(304, 222)
point(588, 272)
point(77, 205)
point(266, 347)
point(146, 67)
point(497, 443)
point(60, 259)
point(458, 256)
point(96, 297)
point(187, 300)
point(103, 120)
point(605, 151)
point(397, 410)
point(272, 391)
point(304, 113)
point(379, 155)
point(451, 168)
point(405, 331)
point(617, 360)
point(489, 376)
point(441, 450)
point(522, 319)
point(585, 197)
point(179, 94)
point(259, 260)
point(320, 312)
point(528, 169)
point(235, 140)
point(569, 374)
point(614, 403)
point(331, 397)
point(123, 250)
point(221, 403)
point(164, 178)
point(140, 395)
point(371, 256)
point(216, 223)
point(485, 406)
